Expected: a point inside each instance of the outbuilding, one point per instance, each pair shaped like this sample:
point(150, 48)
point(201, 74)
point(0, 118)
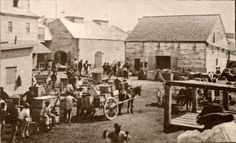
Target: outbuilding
point(178, 42)
point(96, 41)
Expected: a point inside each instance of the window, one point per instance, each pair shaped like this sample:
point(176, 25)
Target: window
point(10, 75)
point(15, 3)
point(145, 64)
point(27, 27)
point(10, 26)
point(214, 38)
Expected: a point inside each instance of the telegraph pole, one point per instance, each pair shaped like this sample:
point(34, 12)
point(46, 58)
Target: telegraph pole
point(55, 8)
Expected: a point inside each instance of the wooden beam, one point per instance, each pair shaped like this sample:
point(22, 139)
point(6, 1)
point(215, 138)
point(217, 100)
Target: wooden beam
point(194, 100)
point(225, 100)
point(167, 108)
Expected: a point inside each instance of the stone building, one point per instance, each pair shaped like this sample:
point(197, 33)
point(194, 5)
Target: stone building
point(20, 50)
point(180, 42)
point(92, 40)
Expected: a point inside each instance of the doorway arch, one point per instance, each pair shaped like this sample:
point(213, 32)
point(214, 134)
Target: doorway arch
point(61, 57)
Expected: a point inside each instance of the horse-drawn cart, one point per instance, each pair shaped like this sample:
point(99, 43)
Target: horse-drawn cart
point(100, 97)
point(105, 97)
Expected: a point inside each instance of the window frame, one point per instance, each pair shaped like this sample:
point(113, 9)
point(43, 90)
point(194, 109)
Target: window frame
point(10, 81)
point(10, 26)
point(27, 27)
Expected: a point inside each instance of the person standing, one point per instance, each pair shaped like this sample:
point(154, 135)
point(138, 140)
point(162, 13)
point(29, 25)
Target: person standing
point(53, 79)
point(25, 119)
point(69, 104)
point(80, 66)
point(126, 70)
point(104, 68)
point(117, 136)
point(29, 95)
point(3, 95)
point(86, 68)
point(76, 63)
point(2, 117)
point(14, 120)
point(114, 68)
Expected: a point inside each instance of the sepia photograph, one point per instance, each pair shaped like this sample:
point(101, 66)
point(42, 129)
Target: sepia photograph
point(117, 71)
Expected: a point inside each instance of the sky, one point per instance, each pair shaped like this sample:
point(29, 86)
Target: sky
point(125, 13)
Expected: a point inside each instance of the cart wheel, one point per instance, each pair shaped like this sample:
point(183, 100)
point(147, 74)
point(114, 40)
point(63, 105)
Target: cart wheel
point(110, 108)
point(160, 97)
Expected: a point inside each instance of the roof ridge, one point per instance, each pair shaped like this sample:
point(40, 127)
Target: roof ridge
point(181, 15)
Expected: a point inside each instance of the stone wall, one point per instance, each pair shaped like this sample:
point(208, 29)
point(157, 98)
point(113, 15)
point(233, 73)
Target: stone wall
point(187, 56)
point(62, 40)
point(112, 50)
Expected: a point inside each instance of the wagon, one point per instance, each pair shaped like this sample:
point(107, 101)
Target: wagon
point(102, 97)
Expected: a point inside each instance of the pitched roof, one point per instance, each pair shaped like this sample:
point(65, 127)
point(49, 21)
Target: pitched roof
point(17, 12)
point(90, 30)
point(47, 33)
point(25, 44)
point(174, 28)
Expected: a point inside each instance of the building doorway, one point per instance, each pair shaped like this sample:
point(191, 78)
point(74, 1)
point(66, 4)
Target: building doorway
point(137, 64)
point(98, 59)
point(61, 57)
point(163, 62)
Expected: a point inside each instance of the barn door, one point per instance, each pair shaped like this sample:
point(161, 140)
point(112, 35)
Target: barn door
point(163, 62)
point(98, 59)
point(137, 64)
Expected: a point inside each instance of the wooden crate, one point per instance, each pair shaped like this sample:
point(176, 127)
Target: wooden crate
point(105, 88)
point(99, 101)
point(87, 102)
point(39, 102)
point(39, 91)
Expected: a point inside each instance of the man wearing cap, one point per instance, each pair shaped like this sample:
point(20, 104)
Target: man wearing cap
point(25, 119)
point(218, 126)
point(117, 136)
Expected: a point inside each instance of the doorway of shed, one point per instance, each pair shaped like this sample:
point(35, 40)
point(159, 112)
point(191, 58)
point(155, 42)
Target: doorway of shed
point(163, 62)
point(98, 59)
point(60, 57)
point(137, 64)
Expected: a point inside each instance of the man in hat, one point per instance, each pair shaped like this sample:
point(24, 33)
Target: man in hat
point(117, 136)
point(218, 126)
point(24, 120)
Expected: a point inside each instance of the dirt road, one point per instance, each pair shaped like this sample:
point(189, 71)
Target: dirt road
point(145, 125)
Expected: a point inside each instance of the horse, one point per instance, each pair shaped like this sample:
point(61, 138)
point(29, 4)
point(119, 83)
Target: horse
point(129, 95)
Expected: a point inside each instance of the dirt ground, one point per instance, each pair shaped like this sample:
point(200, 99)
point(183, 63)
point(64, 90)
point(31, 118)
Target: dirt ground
point(145, 125)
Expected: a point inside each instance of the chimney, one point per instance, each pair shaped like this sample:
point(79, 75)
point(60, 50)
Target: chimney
point(101, 22)
point(75, 19)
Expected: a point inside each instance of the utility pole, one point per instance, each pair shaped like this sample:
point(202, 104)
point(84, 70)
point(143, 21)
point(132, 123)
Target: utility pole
point(55, 8)
point(28, 5)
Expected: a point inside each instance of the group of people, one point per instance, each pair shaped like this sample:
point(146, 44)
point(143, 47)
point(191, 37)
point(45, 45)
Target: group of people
point(117, 69)
point(80, 66)
point(19, 114)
